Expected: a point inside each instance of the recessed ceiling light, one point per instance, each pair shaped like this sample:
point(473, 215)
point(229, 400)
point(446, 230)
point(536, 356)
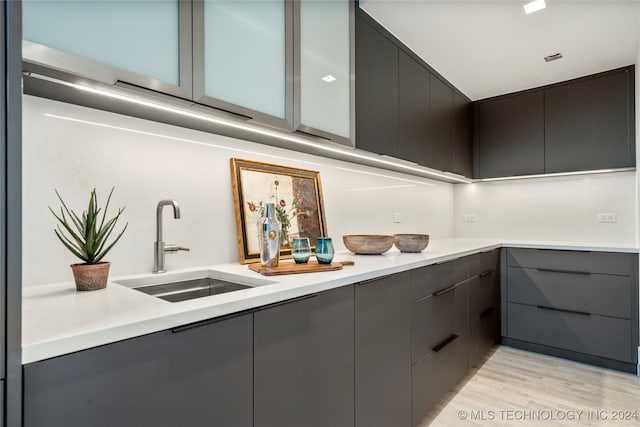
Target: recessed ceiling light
point(534, 6)
point(328, 78)
point(553, 57)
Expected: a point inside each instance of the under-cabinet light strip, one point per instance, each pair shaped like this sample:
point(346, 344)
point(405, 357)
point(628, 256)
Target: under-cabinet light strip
point(551, 175)
point(256, 130)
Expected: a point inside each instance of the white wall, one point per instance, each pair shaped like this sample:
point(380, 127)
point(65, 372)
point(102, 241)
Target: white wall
point(148, 161)
point(561, 208)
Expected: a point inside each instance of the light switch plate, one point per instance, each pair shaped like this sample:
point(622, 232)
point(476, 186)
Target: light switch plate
point(397, 217)
point(469, 218)
point(607, 217)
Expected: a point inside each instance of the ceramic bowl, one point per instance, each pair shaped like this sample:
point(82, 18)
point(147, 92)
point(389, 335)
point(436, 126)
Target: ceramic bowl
point(411, 242)
point(367, 244)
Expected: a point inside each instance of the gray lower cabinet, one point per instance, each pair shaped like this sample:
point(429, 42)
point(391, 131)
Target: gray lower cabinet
point(436, 318)
point(2, 386)
point(484, 314)
point(383, 352)
point(582, 332)
point(195, 375)
point(440, 346)
point(435, 374)
point(378, 353)
point(455, 321)
point(574, 304)
point(304, 361)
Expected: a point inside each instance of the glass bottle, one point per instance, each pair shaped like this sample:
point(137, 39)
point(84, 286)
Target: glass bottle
point(269, 234)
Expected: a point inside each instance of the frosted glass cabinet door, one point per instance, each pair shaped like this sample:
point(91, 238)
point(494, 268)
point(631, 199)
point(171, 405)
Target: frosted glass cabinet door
point(325, 68)
point(144, 42)
point(241, 57)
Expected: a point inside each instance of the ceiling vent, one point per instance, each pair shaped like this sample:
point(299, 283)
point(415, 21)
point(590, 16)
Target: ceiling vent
point(553, 57)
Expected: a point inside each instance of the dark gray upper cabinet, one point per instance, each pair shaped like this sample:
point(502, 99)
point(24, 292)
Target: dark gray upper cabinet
point(383, 352)
point(462, 139)
point(376, 91)
point(413, 110)
point(441, 125)
point(582, 124)
point(304, 361)
point(194, 375)
point(589, 123)
point(509, 135)
point(404, 108)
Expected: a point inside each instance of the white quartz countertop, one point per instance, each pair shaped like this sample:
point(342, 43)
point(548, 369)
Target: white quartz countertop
point(57, 320)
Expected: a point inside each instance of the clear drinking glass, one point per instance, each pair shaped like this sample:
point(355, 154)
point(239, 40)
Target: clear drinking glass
point(324, 250)
point(301, 250)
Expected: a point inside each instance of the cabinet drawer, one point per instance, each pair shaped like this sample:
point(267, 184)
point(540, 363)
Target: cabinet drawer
point(436, 373)
point(483, 262)
point(577, 261)
point(590, 334)
point(437, 317)
point(483, 334)
point(484, 293)
point(601, 294)
point(432, 278)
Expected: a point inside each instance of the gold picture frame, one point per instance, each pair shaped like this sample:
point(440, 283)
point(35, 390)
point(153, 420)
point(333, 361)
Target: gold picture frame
point(297, 194)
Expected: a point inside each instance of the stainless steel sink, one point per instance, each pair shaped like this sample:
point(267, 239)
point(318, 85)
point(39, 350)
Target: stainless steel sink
point(189, 285)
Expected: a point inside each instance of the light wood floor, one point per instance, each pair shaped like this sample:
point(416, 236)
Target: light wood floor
point(516, 388)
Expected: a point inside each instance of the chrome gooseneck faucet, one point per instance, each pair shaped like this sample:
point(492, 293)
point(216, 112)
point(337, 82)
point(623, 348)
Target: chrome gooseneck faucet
point(160, 247)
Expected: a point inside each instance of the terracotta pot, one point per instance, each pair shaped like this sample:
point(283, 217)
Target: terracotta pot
point(91, 277)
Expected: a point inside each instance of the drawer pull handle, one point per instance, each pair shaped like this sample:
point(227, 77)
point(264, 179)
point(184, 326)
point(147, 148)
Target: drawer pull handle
point(445, 343)
point(364, 282)
point(206, 322)
point(551, 270)
point(288, 301)
point(444, 291)
point(582, 313)
point(487, 312)
point(486, 273)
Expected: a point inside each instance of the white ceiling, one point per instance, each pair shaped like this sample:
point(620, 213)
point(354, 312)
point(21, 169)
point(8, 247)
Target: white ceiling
point(488, 48)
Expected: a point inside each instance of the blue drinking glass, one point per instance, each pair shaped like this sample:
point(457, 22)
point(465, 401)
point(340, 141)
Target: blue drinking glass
point(324, 250)
point(301, 250)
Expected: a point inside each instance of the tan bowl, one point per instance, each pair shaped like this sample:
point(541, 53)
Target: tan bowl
point(411, 242)
point(367, 244)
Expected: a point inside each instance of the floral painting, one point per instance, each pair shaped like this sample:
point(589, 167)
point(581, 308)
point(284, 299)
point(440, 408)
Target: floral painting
point(296, 194)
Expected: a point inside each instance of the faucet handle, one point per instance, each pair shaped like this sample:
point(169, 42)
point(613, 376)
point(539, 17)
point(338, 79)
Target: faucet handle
point(172, 248)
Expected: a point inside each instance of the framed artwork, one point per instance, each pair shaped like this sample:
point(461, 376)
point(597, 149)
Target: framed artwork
point(297, 195)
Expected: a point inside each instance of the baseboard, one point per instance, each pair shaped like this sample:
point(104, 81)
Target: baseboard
point(572, 355)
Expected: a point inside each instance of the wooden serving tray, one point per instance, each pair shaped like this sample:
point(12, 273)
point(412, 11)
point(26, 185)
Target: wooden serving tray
point(293, 268)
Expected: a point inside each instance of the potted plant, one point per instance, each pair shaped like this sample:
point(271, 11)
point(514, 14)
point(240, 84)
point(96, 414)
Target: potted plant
point(86, 237)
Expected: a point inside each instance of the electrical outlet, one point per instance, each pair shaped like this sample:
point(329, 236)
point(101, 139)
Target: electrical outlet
point(607, 217)
point(397, 217)
point(469, 218)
